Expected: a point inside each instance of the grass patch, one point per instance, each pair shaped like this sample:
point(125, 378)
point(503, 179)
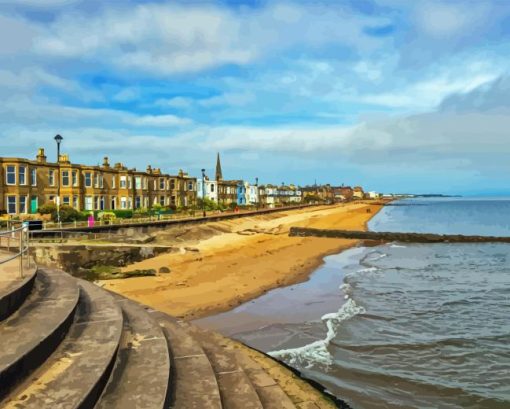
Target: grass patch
point(105, 272)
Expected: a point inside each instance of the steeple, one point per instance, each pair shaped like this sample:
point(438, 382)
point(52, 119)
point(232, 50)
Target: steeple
point(219, 175)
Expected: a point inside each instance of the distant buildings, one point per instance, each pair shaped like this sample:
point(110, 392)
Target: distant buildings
point(27, 184)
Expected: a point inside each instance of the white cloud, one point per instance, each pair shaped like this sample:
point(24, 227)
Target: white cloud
point(175, 102)
point(158, 120)
point(168, 39)
point(440, 19)
point(428, 93)
point(127, 95)
point(228, 99)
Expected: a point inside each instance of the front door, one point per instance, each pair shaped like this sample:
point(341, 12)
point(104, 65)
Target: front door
point(33, 204)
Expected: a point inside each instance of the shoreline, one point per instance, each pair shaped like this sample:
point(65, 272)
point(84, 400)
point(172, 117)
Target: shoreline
point(213, 278)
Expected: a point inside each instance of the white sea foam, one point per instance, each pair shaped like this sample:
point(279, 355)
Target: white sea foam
point(380, 256)
point(398, 246)
point(317, 352)
point(368, 270)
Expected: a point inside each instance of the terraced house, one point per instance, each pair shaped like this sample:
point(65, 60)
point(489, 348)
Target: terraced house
point(27, 184)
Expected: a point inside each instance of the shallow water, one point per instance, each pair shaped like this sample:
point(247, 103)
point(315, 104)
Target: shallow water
point(397, 326)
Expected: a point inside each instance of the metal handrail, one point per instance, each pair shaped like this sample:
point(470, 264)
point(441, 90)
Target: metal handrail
point(20, 234)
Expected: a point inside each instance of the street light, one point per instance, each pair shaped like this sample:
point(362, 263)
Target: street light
point(58, 139)
point(203, 192)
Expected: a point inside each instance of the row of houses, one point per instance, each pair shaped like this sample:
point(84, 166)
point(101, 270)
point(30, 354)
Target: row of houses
point(27, 184)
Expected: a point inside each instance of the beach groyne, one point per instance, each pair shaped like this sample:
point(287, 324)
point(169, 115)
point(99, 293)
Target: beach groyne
point(395, 236)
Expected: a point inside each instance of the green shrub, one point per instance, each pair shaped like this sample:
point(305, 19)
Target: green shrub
point(123, 214)
point(209, 204)
point(67, 213)
point(47, 208)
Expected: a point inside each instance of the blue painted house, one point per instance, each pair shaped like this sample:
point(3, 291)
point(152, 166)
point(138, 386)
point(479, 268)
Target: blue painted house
point(241, 193)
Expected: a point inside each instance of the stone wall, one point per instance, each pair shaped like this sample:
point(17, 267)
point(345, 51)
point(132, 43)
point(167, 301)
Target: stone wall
point(75, 259)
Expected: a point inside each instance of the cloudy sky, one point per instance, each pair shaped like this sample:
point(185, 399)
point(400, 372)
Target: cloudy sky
point(395, 95)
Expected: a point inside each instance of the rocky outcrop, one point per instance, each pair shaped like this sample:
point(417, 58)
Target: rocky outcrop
point(394, 236)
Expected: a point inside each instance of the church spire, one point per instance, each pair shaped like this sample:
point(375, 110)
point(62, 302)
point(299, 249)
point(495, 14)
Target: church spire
point(219, 175)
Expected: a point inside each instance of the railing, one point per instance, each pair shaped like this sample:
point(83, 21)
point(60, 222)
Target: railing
point(16, 240)
point(163, 217)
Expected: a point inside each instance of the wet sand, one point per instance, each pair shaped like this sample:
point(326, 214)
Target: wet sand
point(231, 262)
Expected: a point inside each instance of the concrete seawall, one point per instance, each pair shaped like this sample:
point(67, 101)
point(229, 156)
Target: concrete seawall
point(133, 228)
point(394, 236)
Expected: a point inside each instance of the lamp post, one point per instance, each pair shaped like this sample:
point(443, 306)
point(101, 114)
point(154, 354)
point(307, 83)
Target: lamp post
point(257, 190)
point(203, 192)
point(58, 139)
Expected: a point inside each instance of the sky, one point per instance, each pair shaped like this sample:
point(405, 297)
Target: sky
point(394, 95)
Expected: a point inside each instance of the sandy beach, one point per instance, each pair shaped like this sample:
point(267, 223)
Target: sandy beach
point(223, 264)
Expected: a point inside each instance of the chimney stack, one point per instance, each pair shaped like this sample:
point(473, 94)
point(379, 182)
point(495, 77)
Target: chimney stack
point(41, 157)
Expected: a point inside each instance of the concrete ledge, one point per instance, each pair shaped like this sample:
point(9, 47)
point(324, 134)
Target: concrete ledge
point(391, 236)
point(15, 293)
point(30, 336)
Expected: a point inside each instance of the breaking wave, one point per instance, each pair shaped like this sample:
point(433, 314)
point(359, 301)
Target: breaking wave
point(317, 352)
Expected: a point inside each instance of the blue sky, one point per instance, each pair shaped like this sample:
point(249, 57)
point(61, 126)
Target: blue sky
point(397, 96)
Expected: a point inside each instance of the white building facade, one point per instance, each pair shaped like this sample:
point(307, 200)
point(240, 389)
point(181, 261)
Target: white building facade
point(210, 188)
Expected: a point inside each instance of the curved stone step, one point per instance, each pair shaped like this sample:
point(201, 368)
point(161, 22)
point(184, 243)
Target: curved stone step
point(76, 373)
point(13, 288)
point(271, 394)
point(193, 382)
point(33, 332)
point(140, 378)
point(236, 388)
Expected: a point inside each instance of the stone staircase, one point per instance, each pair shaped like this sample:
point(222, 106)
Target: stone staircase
point(66, 343)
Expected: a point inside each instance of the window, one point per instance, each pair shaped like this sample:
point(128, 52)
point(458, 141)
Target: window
point(122, 184)
point(101, 181)
point(75, 177)
point(113, 204)
point(65, 178)
point(96, 180)
point(88, 203)
point(123, 202)
point(33, 177)
point(76, 203)
point(51, 177)
point(66, 200)
point(190, 186)
point(101, 203)
point(22, 176)
point(161, 184)
point(212, 188)
point(138, 182)
point(130, 181)
point(155, 184)
point(22, 204)
point(162, 200)
point(138, 202)
point(145, 183)
point(10, 175)
point(113, 181)
point(96, 202)
point(11, 204)
point(88, 181)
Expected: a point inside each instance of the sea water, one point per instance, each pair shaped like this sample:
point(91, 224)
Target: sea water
point(399, 325)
